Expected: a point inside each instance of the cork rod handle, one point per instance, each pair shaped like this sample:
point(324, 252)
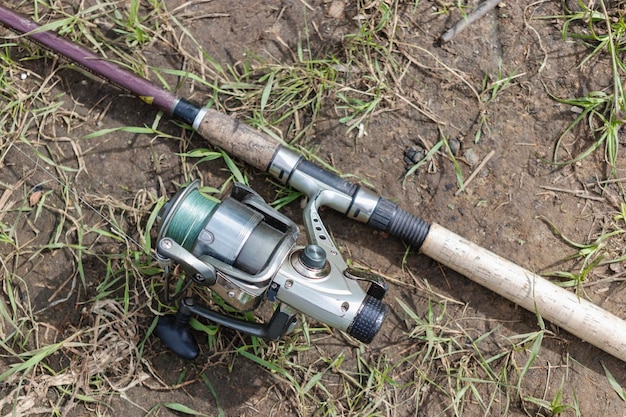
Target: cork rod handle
point(237, 139)
point(529, 290)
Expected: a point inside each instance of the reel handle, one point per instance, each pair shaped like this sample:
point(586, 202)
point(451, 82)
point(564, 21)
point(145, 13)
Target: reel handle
point(174, 330)
point(282, 319)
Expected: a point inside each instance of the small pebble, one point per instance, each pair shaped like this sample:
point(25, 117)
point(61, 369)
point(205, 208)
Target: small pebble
point(576, 109)
point(35, 195)
point(413, 154)
point(454, 145)
point(336, 8)
point(470, 156)
point(362, 132)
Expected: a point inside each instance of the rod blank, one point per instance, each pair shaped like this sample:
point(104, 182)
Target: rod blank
point(88, 60)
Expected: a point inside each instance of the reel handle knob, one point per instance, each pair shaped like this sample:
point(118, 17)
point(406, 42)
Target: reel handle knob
point(174, 332)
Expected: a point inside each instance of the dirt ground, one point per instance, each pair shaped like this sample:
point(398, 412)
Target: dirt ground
point(501, 210)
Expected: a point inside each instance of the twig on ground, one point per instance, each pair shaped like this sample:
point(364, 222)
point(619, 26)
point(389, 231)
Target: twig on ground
point(476, 171)
point(476, 14)
point(577, 193)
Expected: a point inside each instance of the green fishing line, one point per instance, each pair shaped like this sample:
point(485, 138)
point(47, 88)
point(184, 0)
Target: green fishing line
point(191, 215)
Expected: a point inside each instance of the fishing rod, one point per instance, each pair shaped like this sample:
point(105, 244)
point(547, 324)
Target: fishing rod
point(578, 316)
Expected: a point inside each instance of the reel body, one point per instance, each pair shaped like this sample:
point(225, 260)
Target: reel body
point(246, 252)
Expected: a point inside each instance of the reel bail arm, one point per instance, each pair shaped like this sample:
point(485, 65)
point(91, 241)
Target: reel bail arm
point(201, 273)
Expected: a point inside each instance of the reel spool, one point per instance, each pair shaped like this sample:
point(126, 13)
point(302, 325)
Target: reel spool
point(232, 231)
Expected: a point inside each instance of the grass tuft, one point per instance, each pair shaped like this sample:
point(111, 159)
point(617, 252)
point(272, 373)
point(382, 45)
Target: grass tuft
point(601, 111)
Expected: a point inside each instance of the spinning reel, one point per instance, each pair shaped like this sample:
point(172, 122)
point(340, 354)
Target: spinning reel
point(246, 252)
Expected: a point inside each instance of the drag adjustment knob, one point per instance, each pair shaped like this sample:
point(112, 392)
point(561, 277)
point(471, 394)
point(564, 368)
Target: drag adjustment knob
point(313, 257)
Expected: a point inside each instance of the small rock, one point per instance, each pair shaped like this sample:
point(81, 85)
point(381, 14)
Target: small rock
point(35, 196)
point(336, 8)
point(454, 146)
point(470, 156)
point(413, 154)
